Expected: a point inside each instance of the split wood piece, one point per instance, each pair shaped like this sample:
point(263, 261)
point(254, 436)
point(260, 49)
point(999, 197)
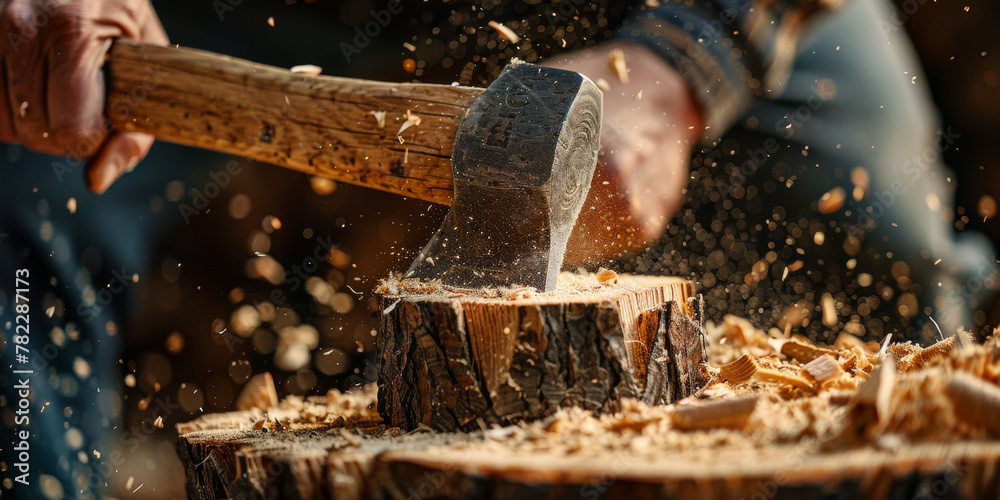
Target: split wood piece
point(324, 462)
point(349, 130)
point(460, 361)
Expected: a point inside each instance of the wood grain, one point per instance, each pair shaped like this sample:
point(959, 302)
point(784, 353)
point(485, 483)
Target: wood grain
point(320, 125)
point(461, 361)
point(225, 460)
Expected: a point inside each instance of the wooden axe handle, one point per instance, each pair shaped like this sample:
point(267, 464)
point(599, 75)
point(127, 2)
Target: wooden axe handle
point(320, 125)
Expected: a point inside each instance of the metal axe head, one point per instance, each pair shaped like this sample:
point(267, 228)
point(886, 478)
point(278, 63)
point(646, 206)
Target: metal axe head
point(523, 160)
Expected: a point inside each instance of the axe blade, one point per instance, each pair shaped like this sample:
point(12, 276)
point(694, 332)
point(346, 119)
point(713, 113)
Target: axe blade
point(523, 160)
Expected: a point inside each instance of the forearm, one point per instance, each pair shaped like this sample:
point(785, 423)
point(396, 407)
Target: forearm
point(730, 52)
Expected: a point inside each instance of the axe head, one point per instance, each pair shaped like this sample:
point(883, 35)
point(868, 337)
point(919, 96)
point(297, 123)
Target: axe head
point(522, 162)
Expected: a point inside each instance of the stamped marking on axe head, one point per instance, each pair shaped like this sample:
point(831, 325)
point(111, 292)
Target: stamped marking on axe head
point(523, 161)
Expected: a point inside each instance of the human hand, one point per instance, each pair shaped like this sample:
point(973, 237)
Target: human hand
point(649, 128)
point(52, 85)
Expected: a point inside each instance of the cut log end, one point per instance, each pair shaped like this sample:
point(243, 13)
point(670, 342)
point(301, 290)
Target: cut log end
point(457, 359)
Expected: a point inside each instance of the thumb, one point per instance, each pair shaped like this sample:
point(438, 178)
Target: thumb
point(120, 154)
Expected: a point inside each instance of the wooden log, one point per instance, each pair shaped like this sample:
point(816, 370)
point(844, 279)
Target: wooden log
point(462, 360)
point(226, 458)
point(342, 128)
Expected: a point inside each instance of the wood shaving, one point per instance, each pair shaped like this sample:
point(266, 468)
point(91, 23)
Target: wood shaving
point(412, 120)
point(379, 117)
point(824, 369)
point(616, 63)
point(731, 413)
point(920, 358)
point(606, 276)
point(978, 400)
point(740, 370)
point(505, 32)
point(258, 393)
point(307, 69)
point(832, 200)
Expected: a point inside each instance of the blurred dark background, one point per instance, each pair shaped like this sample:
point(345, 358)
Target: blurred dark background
point(190, 335)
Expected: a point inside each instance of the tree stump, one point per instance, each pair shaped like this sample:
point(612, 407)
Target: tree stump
point(311, 456)
point(460, 360)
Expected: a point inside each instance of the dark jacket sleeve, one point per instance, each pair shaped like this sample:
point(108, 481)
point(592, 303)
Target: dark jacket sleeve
point(730, 52)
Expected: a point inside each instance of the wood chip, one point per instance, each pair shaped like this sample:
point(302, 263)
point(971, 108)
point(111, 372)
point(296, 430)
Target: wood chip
point(877, 391)
point(824, 368)
point(732, 413)
point(307, 69)
point(616, 62)
point(606, 276)
point(922, 357)
point(829, 309)
point(379, 117)
point(505, 32)
point(832, 201)
point(259, 392)
point(603, 84)
point(158, 422)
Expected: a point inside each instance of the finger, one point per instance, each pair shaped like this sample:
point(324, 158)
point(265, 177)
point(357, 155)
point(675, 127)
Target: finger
point(76, 104)
point(152, 31)
point(120, 154)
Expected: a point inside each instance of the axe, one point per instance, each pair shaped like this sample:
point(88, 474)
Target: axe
point(514, 160)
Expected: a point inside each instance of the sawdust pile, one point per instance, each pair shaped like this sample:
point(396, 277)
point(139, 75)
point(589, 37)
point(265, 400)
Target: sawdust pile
point(765, 393)
point(768, 394)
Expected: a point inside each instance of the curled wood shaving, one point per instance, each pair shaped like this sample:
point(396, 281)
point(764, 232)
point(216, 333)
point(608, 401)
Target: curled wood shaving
point(307, 69)
point(743, 334)
point(412, 120)
point(740, 370)
point(801, 352)
point(616, 62)
point(846, 341)
point(976, 401)
point(505, 32)
point(732, 413)
point(780, 377)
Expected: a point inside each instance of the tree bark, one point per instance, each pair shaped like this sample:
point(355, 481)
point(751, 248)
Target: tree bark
point(463, 361)
point(227, 459)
